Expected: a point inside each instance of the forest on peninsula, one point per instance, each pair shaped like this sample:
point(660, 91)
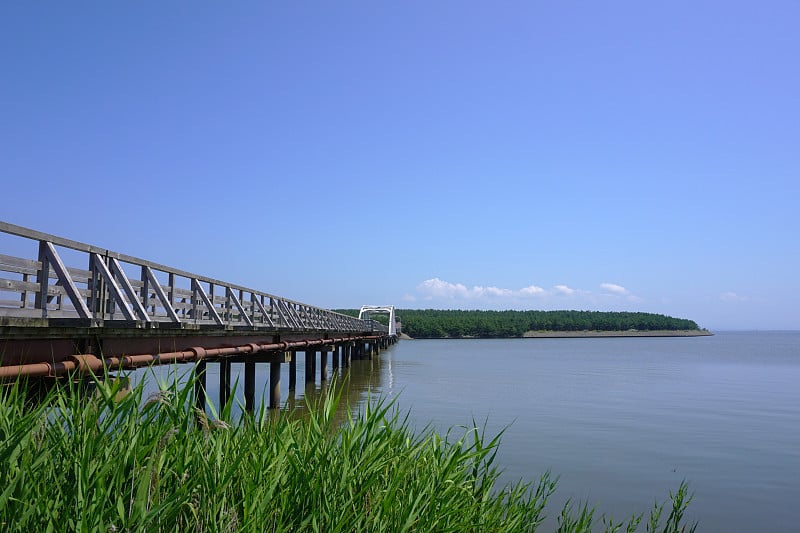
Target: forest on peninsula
point(440, 324)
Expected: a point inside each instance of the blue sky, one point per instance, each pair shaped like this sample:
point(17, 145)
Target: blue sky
point(484, 155)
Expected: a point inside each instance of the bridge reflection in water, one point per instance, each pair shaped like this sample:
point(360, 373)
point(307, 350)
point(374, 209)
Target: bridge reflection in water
point(68, 307)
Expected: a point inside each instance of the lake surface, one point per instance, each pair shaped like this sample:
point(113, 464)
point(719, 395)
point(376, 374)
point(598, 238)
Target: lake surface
point(621, 421)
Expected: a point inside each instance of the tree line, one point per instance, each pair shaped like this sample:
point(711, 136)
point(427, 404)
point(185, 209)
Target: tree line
point(436, 323)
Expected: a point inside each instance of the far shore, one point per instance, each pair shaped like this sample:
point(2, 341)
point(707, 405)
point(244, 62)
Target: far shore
point(629, 333)
point(589, 334)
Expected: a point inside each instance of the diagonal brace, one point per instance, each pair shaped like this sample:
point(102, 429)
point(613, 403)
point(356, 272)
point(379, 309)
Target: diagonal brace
point(148, 274)
point(119, 274)
point(260, 306)
point(52, 258)
point(116, 293)
point(198, 289)
point(238, 304)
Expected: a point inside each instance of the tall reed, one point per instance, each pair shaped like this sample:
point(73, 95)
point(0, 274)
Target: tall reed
point(109, 461)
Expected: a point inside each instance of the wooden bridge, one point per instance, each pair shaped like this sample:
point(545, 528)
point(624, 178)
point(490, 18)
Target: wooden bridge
point(68, 307)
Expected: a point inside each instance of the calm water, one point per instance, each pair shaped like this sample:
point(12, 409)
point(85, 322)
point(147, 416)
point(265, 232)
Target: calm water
point(621, 421)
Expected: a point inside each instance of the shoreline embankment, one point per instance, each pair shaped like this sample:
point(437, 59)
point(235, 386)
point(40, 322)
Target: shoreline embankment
point(584, 334)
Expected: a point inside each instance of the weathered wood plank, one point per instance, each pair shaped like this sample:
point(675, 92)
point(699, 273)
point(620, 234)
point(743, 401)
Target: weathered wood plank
point(20, 313)
point(10, 263)
point(17, 286)
point(78, 275)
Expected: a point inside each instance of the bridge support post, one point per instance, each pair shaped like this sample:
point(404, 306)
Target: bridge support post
point(224, 382)
point(200, 386)
point(292, 370)
point(323, 364)
point(274, 385)
point(249, 385)
point(311, 356)
point(346, 354)
point(335, 363)
point(370, 349)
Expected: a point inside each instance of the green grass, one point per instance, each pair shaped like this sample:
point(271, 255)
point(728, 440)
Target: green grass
point(108, 462)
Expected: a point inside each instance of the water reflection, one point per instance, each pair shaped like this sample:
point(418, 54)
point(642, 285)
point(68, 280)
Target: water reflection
point(353, 384)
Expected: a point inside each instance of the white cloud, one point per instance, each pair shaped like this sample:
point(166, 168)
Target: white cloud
point(493, 291)
point(532, 290)
point(614, 288)
point(731, 296)
point(437, 288)
point(563, 290)
point(492, 296)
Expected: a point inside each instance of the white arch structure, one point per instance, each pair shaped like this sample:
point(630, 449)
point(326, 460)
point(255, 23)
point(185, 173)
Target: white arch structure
point(366, 310)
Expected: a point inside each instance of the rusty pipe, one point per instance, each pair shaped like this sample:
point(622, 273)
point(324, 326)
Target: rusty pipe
point(90, 363)
point(37, 369)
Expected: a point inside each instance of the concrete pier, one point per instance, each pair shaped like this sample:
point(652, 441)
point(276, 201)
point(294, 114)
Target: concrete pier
point(274, 385)
point(347, 354)
point(224, 382)
point(309, 366)
point(249, 385)
point(200, 386)
point(342, 354)
point(292, 370)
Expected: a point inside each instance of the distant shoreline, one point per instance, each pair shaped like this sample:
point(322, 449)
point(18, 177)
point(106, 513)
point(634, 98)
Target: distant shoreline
point(585, 334)
point(654, 333)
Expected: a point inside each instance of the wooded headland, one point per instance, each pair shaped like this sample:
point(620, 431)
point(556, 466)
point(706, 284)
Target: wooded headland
point(444, 324)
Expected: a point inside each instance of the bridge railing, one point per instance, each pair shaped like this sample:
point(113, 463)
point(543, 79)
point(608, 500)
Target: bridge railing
point(110, 286)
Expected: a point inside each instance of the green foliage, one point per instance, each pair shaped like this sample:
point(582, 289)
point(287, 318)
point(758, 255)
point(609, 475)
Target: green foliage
point(434, 323)
point(110, 461)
